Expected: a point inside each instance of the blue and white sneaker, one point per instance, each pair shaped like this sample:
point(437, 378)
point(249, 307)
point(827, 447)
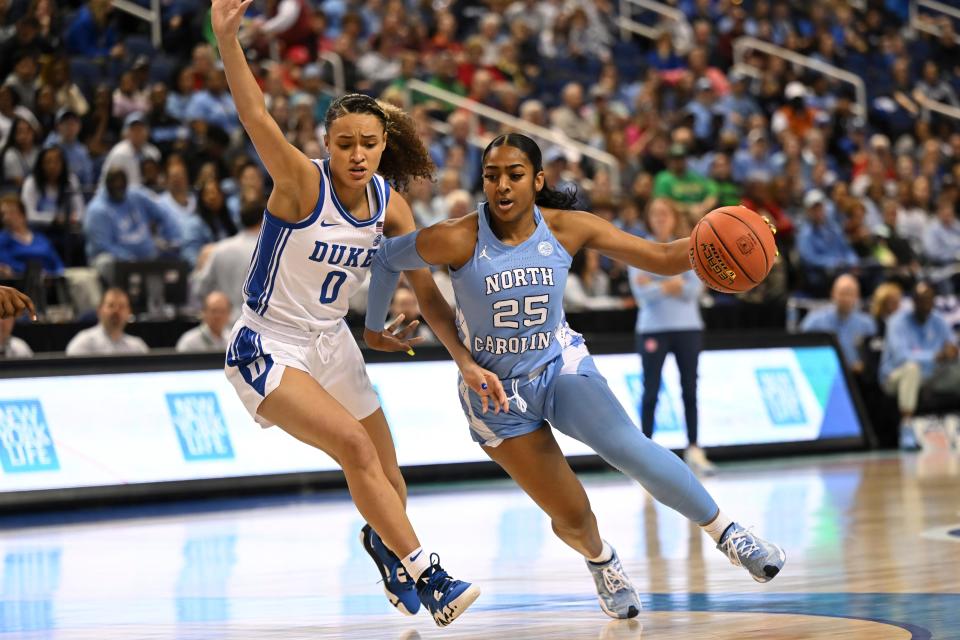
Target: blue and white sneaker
point(444, 597)
point(400, 588)
point(762, 559)
point(617, 595)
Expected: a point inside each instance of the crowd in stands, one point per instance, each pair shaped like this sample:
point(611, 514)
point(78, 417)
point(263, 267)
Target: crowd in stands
point(113, 150)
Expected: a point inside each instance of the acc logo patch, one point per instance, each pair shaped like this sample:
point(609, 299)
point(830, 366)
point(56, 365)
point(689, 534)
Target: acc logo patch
point(545, 248)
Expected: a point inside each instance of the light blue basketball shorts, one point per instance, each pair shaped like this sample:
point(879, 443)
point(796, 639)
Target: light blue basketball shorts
point(531, 397)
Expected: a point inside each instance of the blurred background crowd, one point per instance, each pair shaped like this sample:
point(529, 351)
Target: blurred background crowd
point(123, 163)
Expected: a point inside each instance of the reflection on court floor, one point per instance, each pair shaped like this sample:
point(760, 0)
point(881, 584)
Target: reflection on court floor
point(870, 554)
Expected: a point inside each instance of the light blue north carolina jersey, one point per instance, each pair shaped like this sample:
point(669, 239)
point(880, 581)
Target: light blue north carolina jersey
point(302, 274)
point(510, 299)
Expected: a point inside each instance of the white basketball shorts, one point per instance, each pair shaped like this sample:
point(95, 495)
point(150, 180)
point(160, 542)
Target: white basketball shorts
point(258, 356)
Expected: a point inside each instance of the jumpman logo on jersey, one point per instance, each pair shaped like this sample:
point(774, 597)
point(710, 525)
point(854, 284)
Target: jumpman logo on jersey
point(483, 254)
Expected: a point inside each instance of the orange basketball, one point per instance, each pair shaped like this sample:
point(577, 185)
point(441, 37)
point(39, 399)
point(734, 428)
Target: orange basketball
point(732, 249)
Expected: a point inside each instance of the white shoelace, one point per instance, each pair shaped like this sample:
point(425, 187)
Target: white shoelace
point(740, 544)
point(521, 403)
point(325, 344)
point(613, 578)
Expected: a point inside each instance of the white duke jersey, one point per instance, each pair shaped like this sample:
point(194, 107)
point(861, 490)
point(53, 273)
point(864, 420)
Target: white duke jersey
point(302, 275)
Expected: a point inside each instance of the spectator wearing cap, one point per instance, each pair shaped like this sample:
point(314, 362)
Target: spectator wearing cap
point(120, 221)
point(556, 169)
point(19, 154)
point(795, 116)
point(844, 319)
point(756, 157)
point(19, 246)
point(823, 248)
point(737, 106)
point(692, 192)
point(131, 151)
point(214, 104)
point(702, 108)
point(66, 136)
point(92, 34)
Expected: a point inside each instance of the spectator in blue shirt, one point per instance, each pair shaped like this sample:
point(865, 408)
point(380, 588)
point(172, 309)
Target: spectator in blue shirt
point(118, 225)
point(702, 110)
point(755, 158)
point(92, 34)
point(66, 136)
point(917, 343)
point(669, 322)
point(214, 105)
point(823, 248)
point(19, 246)
point(844, 319)
point(737, 106)
point(941, 239)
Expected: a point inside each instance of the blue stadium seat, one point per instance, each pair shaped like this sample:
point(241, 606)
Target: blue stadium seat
point(87, 73)
point(138, 45)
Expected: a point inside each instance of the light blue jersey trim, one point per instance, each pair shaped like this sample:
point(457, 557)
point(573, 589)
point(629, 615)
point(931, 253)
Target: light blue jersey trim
point(381, 200)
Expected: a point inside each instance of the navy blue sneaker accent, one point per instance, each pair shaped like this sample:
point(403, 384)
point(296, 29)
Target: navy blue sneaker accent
point(444, 597)
point(400, 589)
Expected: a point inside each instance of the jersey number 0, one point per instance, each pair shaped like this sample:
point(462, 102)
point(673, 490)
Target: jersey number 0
point(331, 286)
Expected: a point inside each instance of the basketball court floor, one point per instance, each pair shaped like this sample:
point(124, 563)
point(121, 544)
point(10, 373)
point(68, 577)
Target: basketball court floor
point(872, 541)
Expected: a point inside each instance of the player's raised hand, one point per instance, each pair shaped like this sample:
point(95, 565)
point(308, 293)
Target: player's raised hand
point(13, 303)
point(487, 385)
point(394, 338)
point(225, 17)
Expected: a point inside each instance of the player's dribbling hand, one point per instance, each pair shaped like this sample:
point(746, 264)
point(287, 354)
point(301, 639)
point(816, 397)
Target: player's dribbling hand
point(394, 337)
point(487, 385)
point(225, 17)
point(13, 303)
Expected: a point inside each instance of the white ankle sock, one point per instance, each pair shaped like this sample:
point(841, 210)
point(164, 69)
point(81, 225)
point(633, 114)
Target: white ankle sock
point(416, 562)
point(717, 526)
point(605, 554)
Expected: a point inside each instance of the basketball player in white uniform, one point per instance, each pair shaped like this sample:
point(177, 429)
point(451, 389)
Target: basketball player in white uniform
point(291, 357)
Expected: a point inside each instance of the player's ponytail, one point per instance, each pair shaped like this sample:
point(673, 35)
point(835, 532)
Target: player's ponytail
point(546, 197)
point(405, 156)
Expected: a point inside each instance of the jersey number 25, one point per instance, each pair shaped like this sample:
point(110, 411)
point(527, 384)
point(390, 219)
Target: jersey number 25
point(506, 309)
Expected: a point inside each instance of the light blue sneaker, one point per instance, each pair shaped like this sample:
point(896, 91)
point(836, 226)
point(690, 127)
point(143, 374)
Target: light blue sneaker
point(618, 598)
point(400, 588)
point(444, 597)
point(762, 559)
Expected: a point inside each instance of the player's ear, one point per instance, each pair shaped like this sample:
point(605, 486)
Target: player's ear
point(538, 181)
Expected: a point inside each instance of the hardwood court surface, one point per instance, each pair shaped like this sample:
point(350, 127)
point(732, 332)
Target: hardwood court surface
point(872, 541)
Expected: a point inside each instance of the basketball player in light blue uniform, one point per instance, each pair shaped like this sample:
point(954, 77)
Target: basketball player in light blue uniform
point(292, 359)
point(509, 264)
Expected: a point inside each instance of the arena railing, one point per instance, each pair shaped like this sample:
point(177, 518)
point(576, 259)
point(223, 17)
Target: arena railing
point(478, 110)
point(151, 15)
point(927, 105)
point(680, 26)
point(922, 22)
point(747, 43)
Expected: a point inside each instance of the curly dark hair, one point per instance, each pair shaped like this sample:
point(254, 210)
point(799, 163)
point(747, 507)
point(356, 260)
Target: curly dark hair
point(405, 156)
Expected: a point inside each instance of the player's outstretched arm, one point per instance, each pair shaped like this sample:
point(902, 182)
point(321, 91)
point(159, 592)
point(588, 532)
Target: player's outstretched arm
point(296, 186)
point(581, 230)
point(13, 303)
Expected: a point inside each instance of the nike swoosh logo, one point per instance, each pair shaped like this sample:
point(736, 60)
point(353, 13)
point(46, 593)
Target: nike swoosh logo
point(324, 223)
point(414, 558)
